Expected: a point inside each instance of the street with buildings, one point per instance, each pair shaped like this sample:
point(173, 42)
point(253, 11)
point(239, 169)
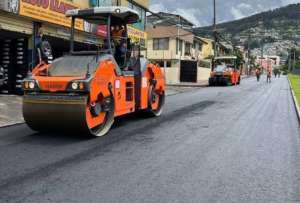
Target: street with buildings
point(110, 101)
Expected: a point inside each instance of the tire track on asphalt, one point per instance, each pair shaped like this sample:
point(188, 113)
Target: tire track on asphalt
point(96, 150)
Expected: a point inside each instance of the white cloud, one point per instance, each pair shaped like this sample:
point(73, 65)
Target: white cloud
point(158, 7)
point(236, 13)
point(242, 10)
point(245, 6)
point(190, 14)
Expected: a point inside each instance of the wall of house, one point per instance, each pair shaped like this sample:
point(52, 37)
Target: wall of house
point(161, 54)
point(203, 74)
point(207, 49)
point(196, 54)
point(172, 75)
point(166, 54)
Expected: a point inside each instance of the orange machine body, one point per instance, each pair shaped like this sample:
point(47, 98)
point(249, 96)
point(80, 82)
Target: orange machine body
point(226, 74)
point(230, 76)
point(85, 90)
point(105, 82)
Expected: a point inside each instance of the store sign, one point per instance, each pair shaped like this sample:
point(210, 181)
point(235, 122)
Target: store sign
point(52, 11)
point(102, 30)
point(9, 5)
point(137, 35)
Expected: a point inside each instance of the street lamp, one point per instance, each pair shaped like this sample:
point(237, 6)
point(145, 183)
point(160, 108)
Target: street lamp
point(215, 29)
point(262, 54)
point(252, 30)
point(214, 33)
point(178, 40)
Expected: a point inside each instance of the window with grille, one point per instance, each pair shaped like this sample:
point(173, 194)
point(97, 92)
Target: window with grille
point(187, 48)
point(161, 44)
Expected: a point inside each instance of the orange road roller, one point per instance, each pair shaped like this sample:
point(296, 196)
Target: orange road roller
point(225, 71)
point(84, 91)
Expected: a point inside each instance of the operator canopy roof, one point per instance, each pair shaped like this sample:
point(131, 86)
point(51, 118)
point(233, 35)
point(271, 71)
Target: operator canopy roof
point(99, 15)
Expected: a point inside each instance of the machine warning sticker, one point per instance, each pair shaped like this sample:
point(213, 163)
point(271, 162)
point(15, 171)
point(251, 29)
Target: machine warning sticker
point(144, 82)
point(117, 84)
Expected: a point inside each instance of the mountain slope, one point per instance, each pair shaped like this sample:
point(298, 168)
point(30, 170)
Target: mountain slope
point(282, 24)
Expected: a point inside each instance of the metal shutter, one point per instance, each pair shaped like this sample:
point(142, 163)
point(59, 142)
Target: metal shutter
point(14, 23)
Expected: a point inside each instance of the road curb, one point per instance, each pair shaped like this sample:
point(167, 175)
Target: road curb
point(295, 100)
point(11, 125)
point(187, 85)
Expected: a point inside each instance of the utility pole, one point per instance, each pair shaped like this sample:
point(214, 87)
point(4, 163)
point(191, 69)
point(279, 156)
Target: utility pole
point(178, 40)
point(215, 33)
point(262, 56)
point(289, 60)
point(249, 55)
point(215, 30)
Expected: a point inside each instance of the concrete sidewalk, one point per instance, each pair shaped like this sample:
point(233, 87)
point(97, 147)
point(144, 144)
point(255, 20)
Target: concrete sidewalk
point(10, 110)
point(203, 83)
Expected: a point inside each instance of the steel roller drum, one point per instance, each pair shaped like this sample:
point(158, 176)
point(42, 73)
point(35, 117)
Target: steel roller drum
point(56, 113)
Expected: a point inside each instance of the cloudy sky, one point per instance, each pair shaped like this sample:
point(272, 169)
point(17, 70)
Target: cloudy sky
point(200, 11)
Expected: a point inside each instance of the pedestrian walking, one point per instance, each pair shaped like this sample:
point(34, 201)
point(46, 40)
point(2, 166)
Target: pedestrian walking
point(257, 73)
point(269, 75)
point(275, 73)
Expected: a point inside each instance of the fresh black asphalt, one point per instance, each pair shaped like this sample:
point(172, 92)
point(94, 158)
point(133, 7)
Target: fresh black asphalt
point(218, 144)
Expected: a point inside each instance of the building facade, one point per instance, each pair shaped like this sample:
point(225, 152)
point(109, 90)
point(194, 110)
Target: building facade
point(170, 44)
point(207, 48)
point(268, 62)
point(176, 50)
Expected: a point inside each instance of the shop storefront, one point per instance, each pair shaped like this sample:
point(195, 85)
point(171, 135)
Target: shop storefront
point(20, 23)
point(49, 19)
point(15, 34)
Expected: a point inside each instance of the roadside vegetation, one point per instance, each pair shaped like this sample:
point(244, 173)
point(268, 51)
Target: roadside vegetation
point(295, 81)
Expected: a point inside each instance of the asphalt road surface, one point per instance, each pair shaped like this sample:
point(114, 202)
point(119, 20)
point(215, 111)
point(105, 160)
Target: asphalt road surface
point(222, 144)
